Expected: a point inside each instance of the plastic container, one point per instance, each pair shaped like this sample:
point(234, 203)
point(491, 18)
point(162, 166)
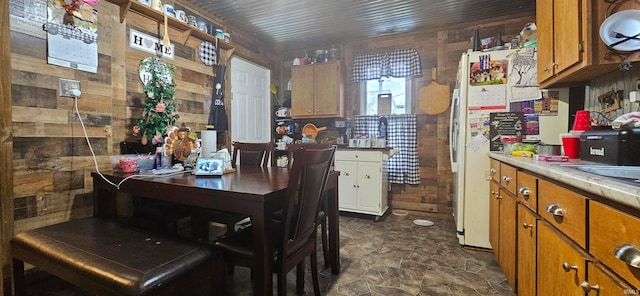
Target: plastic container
point(400, 214)
point(146, 162)
point(509, 143)
point(126, 163)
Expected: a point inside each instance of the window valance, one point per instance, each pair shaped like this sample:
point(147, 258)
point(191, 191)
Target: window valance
point(397, 63)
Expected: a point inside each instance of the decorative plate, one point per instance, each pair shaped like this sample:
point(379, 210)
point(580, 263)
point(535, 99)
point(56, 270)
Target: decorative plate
point(621, 30)
point(207, 53)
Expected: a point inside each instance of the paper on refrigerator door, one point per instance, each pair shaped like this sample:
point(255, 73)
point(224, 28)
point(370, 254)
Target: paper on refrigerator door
point(477, 142)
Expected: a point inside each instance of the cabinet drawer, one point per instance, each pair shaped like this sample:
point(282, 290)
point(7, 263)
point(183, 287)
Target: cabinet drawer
point(564, 209)
point(528, 190)
point(508, 178)
point(494, 170)
point(358, 155)
point(610, 229)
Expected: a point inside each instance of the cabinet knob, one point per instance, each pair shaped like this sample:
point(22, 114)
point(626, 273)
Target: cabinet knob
point(493, 171)
point(506, 178)
point(524, 191)
point(317, 110)
point(555, 209)
point(525, 225)
point(587, 288)
point(367, 177)
point(546, 69)
point(498, 196)
point(567, 267)
point(629, 254)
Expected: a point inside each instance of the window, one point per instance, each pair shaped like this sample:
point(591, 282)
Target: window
point(398, 88)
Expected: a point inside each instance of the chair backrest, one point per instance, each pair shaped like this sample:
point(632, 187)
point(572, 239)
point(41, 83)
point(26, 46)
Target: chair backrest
point(256, 154)
point(307, 180)
point(299, 146)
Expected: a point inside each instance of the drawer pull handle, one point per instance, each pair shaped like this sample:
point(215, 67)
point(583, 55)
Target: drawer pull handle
point(346, 173)
point(629, 254)
point(555, 209)
point(567, 267)
point(506, 178)
point(587, 288)
point(524, 191)
point(525, 225)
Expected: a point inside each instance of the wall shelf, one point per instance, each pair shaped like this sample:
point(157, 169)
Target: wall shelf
point(187, 30)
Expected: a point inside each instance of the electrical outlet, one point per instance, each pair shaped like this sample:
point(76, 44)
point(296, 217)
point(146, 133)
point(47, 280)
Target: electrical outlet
point(66, 85)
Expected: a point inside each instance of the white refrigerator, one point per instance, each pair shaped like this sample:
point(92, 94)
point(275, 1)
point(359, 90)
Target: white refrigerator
point(488, 82)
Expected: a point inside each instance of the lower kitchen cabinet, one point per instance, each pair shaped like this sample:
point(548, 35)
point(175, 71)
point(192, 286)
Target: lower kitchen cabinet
point(527, 251)
point(554, 239)
point(507, 237)
point(363, 182)
point(502, 230)
point(600, 283)
point(561, 268)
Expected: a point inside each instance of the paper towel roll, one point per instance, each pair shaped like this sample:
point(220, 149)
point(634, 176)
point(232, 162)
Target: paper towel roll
point(209, 142)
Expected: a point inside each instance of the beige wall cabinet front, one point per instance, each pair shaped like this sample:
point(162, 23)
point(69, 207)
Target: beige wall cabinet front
point(317, 90)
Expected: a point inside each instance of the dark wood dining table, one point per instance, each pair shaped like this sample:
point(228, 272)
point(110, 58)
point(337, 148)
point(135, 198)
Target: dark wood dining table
point(254, 191)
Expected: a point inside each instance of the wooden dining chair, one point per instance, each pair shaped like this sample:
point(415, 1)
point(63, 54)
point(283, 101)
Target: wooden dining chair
point(250, 154)
point(322, 213)
point(295, 236)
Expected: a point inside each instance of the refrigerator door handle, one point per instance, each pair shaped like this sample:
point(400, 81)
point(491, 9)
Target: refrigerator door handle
point(452, 132)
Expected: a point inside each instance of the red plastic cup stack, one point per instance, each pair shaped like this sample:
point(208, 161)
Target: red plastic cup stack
point(582, 121)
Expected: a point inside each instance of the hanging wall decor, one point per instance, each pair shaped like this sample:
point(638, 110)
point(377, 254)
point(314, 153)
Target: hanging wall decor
point(72, 34)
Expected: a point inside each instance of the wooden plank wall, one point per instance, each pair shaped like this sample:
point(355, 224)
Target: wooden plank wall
point(439, 48)
point(6, 146)
point(53, 163)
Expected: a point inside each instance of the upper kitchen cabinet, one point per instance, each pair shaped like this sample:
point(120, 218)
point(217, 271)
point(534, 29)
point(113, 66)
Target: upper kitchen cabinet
point(317, 90)
point(569, 45)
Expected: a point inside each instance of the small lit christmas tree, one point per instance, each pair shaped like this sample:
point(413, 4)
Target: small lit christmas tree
point(160, 102)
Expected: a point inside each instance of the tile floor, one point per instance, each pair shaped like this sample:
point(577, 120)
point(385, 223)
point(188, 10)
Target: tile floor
point(388, 257)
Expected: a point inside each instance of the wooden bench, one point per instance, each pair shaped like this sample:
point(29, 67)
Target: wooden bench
point(106, 257)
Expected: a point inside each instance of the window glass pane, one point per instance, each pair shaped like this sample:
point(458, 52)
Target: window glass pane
point(387, 85)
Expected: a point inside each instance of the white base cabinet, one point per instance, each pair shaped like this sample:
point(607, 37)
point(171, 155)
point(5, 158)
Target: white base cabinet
point(363, 184)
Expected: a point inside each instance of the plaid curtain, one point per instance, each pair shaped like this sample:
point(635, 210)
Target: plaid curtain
point(402, 136)
point(397, 63)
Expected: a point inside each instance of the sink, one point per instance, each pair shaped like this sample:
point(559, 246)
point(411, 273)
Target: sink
point(625, 172)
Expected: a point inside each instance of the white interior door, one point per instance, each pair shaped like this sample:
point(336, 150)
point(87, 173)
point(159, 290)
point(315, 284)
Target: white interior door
point(250, 102)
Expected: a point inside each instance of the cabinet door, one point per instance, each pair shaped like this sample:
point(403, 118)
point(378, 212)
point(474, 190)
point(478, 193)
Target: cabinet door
point(544, 23)
point(369, 186)
point(561, 267)
point(527, 236)
point(507, 237)
point(606, 285)
point(494, 216)
point(327, 89)
point(567, 33)
point(347, 184)
point(302, 91)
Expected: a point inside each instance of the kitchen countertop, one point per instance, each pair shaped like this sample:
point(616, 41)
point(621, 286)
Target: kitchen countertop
point(613, 189)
